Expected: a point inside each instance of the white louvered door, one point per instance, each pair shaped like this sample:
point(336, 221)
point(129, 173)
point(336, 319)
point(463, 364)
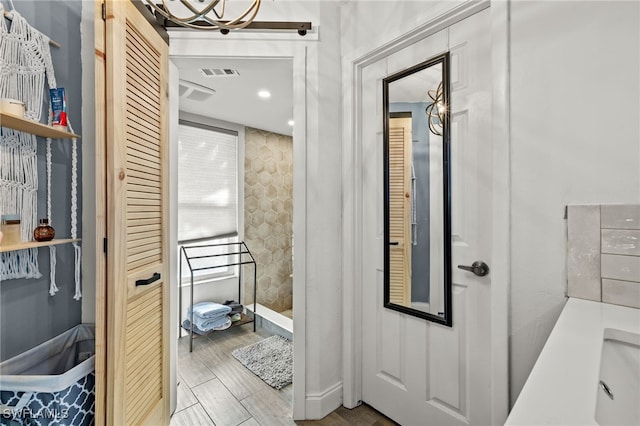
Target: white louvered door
point(137, 219)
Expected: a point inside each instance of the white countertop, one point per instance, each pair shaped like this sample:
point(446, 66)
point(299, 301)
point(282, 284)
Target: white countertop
point(561, 389)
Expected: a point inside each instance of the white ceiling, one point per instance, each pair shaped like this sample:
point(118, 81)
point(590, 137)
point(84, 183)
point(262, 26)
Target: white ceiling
point(236, 97)
point(415, 87)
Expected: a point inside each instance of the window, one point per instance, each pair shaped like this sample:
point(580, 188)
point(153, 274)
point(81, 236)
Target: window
point(207, 191)
point(207, 182)
point(195, 252)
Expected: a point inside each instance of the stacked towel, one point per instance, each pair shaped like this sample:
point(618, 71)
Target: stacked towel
point(208, 316)
point(236, 307)
point(209, 324)
point(208, 310)
point(226, 324)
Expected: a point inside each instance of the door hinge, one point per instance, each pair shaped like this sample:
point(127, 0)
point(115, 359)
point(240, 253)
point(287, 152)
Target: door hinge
point(104, 12)
point(105, 245)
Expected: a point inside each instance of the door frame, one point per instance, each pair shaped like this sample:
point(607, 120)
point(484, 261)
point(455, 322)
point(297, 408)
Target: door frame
point(193, 44)
point(353, 260)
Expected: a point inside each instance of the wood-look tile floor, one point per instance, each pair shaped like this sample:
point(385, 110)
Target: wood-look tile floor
point(363, 415)
point(215, 389)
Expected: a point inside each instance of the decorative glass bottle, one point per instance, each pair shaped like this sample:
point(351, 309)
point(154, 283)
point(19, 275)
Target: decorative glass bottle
point(44, 232)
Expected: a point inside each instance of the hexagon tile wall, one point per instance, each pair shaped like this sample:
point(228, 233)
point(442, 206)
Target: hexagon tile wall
point(268, 213)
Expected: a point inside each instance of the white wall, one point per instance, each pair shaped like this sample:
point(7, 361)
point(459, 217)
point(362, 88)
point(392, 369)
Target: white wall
point(368, 24)
point(323, 221)
point(575, 100)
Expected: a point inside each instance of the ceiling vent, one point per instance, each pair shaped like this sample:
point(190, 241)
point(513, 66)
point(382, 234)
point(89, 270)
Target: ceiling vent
point(195, 91)
point(219, 72)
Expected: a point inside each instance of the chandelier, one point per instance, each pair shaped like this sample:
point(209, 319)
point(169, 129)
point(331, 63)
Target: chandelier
point(202, 15)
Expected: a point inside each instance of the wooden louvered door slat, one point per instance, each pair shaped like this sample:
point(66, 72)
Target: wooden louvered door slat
point(400, 211)
point(138, 357)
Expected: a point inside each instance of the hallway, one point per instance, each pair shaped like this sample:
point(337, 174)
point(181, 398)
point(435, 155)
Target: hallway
point(215, 389)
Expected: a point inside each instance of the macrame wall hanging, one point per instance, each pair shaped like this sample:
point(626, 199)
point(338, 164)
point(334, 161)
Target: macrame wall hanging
point(25, 63)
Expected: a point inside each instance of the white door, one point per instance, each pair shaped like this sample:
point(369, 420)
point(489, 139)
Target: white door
point(414, 371)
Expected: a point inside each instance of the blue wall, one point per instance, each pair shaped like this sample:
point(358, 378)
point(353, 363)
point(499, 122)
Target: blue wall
point(28, 315)
point(419, 253)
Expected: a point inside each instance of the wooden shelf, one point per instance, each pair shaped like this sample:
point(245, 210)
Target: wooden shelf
point(35, 244)
point(30, 126)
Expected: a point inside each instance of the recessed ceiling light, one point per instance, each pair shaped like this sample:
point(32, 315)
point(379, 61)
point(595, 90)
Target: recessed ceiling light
point(264, 94)
point(290, 123)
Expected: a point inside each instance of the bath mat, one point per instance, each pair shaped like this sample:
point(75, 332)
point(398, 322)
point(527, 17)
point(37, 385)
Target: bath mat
point(270, 359)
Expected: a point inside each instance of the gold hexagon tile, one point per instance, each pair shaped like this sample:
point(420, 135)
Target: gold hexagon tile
point(271, 218)
point(268, 192)
point(257, 164)
point(264, 204)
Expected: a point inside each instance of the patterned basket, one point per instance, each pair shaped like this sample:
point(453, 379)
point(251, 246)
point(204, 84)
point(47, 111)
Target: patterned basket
point(51, 384)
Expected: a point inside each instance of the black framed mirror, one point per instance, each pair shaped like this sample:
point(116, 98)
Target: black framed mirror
point(417, 201)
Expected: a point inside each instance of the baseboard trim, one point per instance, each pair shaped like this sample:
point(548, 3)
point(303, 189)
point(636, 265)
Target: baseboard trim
point(321, 404)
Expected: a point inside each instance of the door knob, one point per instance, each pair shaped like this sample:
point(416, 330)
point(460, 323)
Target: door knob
point(478, 267)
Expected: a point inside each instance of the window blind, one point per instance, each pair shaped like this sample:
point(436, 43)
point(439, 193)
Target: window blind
point(207, 182)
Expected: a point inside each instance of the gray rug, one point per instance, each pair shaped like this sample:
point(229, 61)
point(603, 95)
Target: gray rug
point(270, 359)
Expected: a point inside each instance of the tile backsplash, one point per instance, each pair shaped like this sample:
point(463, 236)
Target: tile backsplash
point(603, 253)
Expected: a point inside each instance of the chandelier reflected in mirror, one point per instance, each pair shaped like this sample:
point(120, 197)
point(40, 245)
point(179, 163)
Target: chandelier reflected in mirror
point(436, 110)
point(206, 14)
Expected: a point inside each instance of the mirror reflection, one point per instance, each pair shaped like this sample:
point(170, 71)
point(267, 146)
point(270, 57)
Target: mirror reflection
point(416, 185)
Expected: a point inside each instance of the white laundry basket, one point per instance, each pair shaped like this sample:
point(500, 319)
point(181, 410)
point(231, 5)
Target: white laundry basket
point(53, 383)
